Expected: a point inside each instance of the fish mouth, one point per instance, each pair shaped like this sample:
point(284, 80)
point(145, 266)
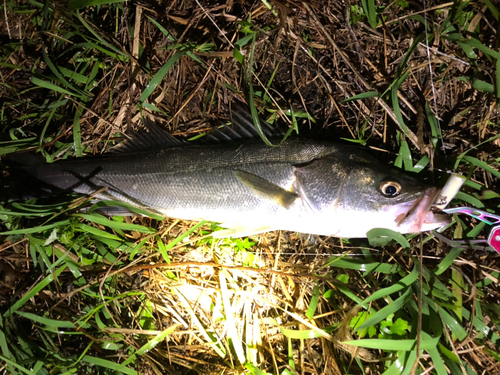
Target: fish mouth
point(420, 216)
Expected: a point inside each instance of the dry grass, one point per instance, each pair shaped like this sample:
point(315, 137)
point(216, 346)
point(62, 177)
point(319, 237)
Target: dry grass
point(276, 303)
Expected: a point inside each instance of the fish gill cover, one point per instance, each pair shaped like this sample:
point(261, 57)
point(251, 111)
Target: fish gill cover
point(87, 293)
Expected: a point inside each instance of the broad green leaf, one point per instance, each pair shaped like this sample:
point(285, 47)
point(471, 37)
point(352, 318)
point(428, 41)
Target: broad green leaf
point(399, 327)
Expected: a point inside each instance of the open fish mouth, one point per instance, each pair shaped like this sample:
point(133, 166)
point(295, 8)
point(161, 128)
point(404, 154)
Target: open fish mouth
point(418, 216)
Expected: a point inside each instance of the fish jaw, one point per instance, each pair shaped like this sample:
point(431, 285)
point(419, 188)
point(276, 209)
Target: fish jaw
point(416, 216)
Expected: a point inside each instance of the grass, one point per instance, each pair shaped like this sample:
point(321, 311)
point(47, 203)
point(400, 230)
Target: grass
point(85, 293)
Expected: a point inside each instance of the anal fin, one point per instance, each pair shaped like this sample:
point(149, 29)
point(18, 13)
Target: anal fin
point(242, 231)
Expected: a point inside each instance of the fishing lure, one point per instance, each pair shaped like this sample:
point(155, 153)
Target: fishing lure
point(486, 217)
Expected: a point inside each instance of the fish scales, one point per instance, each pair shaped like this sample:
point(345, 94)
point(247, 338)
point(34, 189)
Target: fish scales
point(188, 178)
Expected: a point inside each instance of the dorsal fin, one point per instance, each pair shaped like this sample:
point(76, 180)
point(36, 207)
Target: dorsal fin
point(241, 128)
point(154, 138)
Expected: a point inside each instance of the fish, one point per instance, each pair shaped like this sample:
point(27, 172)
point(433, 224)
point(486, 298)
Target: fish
point(301, 185)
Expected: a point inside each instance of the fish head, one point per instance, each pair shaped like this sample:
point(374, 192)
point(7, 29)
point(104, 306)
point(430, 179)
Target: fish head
point(365, 194)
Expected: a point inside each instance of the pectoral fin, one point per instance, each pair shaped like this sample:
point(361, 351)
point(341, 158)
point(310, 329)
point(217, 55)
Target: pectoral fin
point(267, 189)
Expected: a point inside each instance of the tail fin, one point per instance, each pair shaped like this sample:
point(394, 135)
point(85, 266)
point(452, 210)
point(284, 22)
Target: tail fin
point(25, 160)
point(18, 177)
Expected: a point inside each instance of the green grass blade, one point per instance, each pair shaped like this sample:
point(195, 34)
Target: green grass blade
point(150, 345)
point(361, 265)
point(60, 77)
point(382, 237)
point(50, 86)
point(313, 304)
point(481, 327)
point(17, 366)
point(448, 260)
point(482, 164)
point(95, 231)
point(46, 321)
point(77, 4)
point(302, 334)
point(118, 54)
point(348, 292)
point(394, 345)
point(453, 324)
point(158, 77)
point(38, 229)
point(255, 370)
point(493, 9)
point(109, 365)
point(370, 11)
point(401, 284)
point(436, 358)
point(469, 199)
point(99, 219)
point(184, 235)
point(383, 313)
point(129, 207)
point(33, 292)
point(363, 95)
point(77, 134)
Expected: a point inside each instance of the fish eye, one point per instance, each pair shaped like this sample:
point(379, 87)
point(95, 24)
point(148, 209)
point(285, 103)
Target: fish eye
point(390, 188)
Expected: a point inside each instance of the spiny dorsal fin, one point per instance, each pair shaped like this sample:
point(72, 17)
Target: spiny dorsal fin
point(242, 128)
point(154, 138)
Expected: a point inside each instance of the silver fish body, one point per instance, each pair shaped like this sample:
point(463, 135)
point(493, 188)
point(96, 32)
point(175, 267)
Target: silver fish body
point(304, 186)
